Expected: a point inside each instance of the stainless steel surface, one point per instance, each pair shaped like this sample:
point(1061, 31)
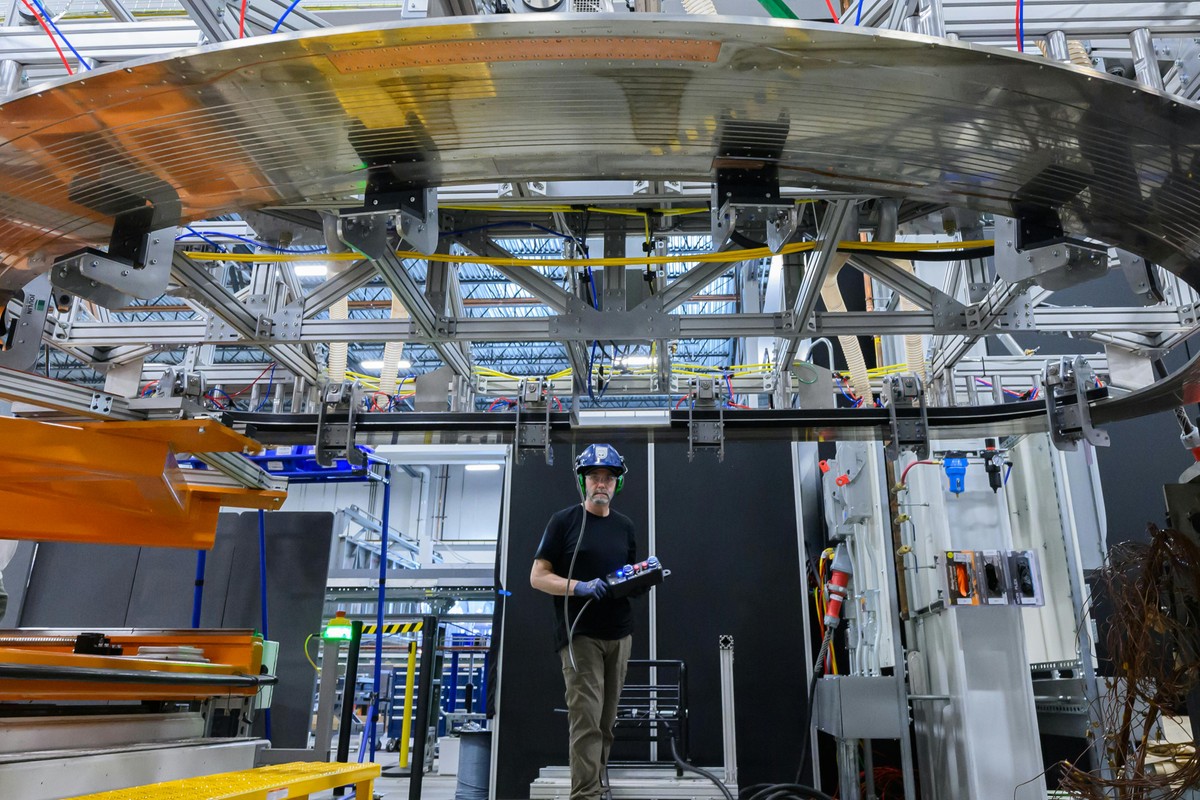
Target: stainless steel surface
point(858, 707)
point(20, 735)
point(248, 124)
point(51, 775)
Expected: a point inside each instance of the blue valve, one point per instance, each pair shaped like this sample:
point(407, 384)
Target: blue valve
point(956, 470)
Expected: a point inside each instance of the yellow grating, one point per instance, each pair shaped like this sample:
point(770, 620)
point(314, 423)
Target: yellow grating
point(265, 783)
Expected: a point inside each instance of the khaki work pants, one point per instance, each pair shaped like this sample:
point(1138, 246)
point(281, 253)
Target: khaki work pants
point(593, 690)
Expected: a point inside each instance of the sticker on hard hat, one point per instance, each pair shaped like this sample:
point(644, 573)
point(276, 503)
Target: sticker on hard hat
point(601, 453)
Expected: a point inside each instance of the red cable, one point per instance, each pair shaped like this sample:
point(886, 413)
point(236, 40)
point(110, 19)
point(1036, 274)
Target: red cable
point(832, 13)
point(46, 28)
point(904, 475)
point(678, 404)
point(242, 21)
point(244, 389)
point(1020, 42)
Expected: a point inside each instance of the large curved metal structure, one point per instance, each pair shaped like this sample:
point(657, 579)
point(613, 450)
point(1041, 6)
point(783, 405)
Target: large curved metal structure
point(302, 117)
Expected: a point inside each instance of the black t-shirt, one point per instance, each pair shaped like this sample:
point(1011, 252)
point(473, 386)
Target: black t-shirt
point(608, 544)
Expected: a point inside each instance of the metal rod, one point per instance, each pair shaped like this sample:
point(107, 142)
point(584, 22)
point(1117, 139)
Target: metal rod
point(198, 595)
point(429, 636)
point(410, 678)
point(384, 534)
point(326, 696)
point(45, 672)
point(343, 747)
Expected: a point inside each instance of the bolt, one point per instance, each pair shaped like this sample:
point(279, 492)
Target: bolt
point(95, 263)
point(154, 261)
point(124, 273)
point(155, 241)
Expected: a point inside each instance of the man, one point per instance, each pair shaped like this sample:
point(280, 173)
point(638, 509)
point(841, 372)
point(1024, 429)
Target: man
point(593, 633)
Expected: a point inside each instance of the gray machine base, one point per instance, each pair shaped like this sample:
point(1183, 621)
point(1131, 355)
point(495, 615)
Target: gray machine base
point(50, 774)
point(642, 783)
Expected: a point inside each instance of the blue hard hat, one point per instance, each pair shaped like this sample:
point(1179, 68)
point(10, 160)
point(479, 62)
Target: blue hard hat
point(600, 455)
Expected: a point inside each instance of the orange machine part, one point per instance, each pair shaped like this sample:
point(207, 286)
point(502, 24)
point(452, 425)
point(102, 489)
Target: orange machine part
point(230, 652)
point(116, 482)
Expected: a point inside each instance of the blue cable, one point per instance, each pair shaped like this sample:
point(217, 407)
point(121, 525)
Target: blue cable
point(207, 241)
point(283, 16)
point(255, 242)
point(267, 394)
point(1021, 25)
point(50, 21)
point(198, 595)
point(845, 394)
point(858, 14)
point(1007, 472)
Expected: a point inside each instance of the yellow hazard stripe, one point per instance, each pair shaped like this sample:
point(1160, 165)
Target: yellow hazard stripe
point(393, 628)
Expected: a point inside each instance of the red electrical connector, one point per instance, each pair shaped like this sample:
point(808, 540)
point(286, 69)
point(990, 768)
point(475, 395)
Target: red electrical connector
point(839, 578)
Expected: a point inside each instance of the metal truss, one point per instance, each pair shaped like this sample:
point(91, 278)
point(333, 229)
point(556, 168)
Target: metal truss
point(234, 321)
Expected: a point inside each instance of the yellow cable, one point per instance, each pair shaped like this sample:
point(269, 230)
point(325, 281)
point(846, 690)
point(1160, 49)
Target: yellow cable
point(730, 256)
point(306, 655)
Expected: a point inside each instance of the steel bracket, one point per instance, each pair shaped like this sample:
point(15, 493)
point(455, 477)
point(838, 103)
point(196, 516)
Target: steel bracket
point(365, 232)
point(101, 403)
point(218, 330)
point(177, 382)
point(23, 339)
point(582, 323)
point(417, 219)
point(1066, 383)
point(533, 398)
point(282, 325)
point(906, 433)
point(705, 393)
point(336, 440)
point(137, 264)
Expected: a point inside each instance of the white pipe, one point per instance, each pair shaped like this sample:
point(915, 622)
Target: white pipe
point(914, 343)
point(338, 350)
point(392, 351)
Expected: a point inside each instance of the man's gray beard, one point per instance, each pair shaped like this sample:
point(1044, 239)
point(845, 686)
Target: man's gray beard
point(601, 499)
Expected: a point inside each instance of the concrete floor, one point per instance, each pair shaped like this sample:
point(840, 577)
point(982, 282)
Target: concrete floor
point(433, 786)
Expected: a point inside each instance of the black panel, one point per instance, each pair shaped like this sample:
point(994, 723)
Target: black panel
point(297, 566)
point(530, 734)
point(16, 579)
point(77, 585)
point(728, 533)
point(163, 589)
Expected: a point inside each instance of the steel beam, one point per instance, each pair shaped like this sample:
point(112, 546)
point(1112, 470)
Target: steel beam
point(816, 268)
point(359, 274)
point(1134, 324)
point(25, 387)
point(680, 290)
point(904, 282)
point(994, 305)
point(243, 471)
point(225, 305)
point(396, 276)
point(532, 281)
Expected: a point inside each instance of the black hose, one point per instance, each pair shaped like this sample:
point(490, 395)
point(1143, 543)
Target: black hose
point(923, 255)
point(810, 701)
point(780, 791)
point(685, 766)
